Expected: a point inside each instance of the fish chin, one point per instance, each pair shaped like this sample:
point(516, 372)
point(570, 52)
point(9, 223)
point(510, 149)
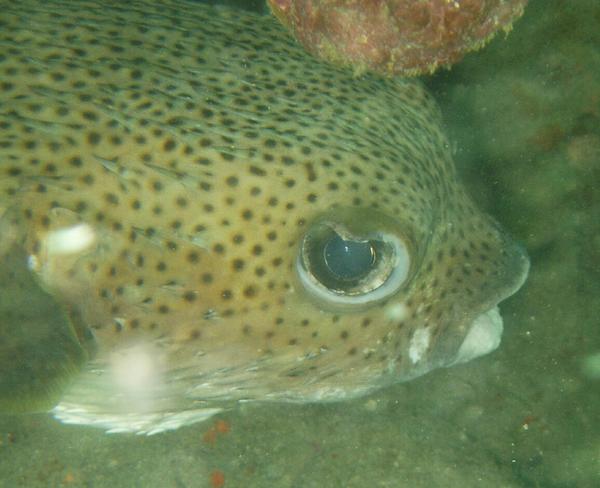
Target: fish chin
point(483, 337)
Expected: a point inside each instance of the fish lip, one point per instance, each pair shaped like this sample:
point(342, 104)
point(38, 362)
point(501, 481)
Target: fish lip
point(524, 263)
point(517, 268)
point(483, 336)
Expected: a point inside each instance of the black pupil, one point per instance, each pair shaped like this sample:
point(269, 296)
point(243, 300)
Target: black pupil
point(348, 260)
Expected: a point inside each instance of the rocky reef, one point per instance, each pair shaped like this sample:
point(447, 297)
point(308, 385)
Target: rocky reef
point(407, 37)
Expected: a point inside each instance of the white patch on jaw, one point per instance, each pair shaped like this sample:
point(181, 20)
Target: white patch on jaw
point(396, 312)
point(70, 240)
point(418, 345)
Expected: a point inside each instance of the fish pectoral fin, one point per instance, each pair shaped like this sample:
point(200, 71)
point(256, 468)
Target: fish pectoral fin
point(40, 352)
point(130, 390)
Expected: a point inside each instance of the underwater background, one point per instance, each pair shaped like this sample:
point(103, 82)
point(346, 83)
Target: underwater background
point(524, 116)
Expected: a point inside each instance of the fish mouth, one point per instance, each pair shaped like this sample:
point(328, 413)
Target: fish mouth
point(484, 331)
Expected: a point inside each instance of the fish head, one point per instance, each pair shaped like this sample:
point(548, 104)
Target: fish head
point(431, 297)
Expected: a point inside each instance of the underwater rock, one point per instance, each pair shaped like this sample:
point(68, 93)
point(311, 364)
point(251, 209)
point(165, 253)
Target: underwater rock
point(390, 37)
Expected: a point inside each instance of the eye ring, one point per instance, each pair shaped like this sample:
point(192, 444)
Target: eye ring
point(336, 281)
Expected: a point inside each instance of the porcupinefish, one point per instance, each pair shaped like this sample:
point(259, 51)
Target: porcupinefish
point(196, 213)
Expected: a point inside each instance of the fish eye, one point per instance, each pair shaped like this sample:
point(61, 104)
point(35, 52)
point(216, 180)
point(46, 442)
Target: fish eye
point(340, 267)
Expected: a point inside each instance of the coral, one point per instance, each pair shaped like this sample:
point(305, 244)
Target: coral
point(407, 37)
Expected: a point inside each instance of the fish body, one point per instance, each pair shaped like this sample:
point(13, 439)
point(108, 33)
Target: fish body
point(223, 218)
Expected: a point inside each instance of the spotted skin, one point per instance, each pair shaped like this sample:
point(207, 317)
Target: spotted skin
point(198, 145)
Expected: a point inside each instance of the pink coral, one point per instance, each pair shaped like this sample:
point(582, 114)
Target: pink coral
point(406, 37)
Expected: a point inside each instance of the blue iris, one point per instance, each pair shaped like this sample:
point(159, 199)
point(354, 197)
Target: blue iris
point(348, 260)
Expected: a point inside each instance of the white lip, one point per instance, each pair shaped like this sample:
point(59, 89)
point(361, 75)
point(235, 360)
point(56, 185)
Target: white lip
point(483, 336)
